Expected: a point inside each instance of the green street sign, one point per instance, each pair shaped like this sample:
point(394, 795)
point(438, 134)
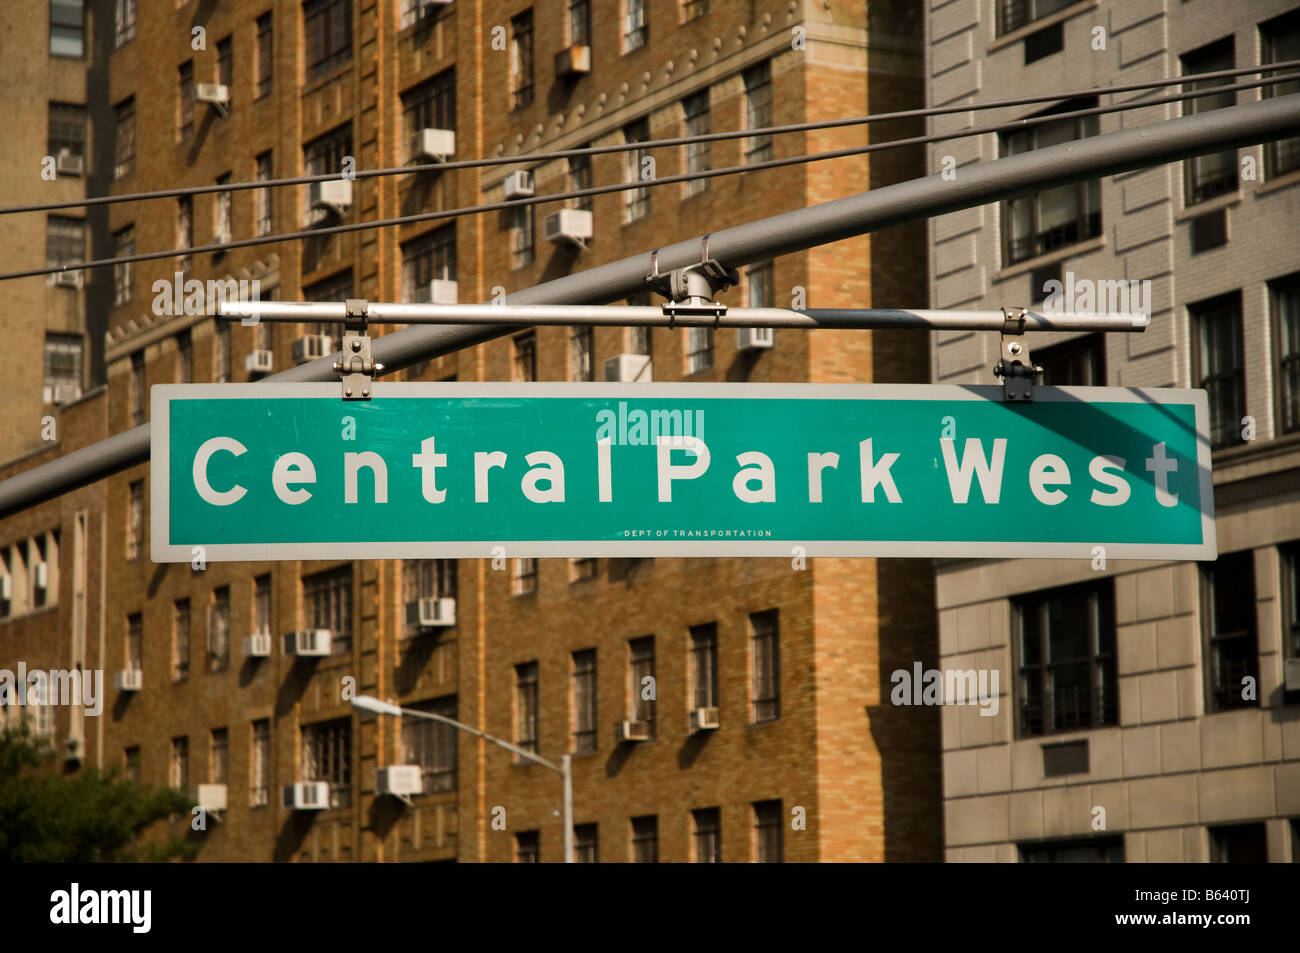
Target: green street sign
point(293, 471)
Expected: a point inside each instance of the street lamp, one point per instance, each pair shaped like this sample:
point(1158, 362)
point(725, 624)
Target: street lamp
point(377, 706)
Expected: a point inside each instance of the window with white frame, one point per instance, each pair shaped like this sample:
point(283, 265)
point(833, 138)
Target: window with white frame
point(219, 630)
point(62, 363)
point(123, 274)
point(135, 519)
point(124, 138)
point(134, 648)
point(430, 257)
point(579, 22)
point(123, 23)
point(635, 27)
point(262, 198)
point(526, 706)
point(521, 236)
point(259, 787)
point(185, 229)
point(65, 240)
point(179, 773)
point(180, 639)
point(698, 154)
point(699, 349)
point(636, 202)
point(218, 756)
point(224, 224)
point(525, 576)
point(67, 130)
point(262, 604)
point(641, 680)
point(704, 665)
point(327, 598)
point(432, 744)
point(521, 60)
point(327, 756)
point(758, 111)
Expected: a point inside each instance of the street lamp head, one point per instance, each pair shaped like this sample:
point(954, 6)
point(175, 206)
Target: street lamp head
point(375, 706)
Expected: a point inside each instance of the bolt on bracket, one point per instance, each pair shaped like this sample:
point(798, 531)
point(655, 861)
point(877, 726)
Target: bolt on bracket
point(357, 366)
point(690, 289)
point(1018, 371)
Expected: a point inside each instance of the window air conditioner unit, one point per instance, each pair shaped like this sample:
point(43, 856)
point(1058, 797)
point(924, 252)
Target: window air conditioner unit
point(519, 185)
point(400, 780)
point(625, 731)
point(214, 94)
point(309, 643)
point(569, 225)
point(67, 279)
point(64, 393)
point(69, 163)
point(257, 645)
point(311, 347)
point(1293, 675)
point(305, 796)
point(436, 144)
point(258, 361)
point(332, 195)
point(430, 612)
point(628, 367)
point(211, 797)
point(129, 680)
point(438, 291)
point(429, 4)
point(755, 339)
point(704, 719)
point(573, 61)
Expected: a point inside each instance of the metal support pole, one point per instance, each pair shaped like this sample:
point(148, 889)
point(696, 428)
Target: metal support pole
point(566, 764)
point(1094, 157)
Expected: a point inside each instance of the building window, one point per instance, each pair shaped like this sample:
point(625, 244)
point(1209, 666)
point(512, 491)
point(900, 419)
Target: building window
point(185, 229)
point(1291, 603)
point(1281, 43)
point(580, 22)
point(179, 774)
point(699, 349)
point(225, 68)
point(259, 787)
point(337, 287)
point(428, 579)
point(430, 257)
point(180, 639)
point(584, 701)
point(65, 241)
point(327, 756)
point(185, 91)
point(1239, 844)
point(432, 745)
point(262, 604)
point(123, 23)
point(328, 597)
point(1285, 300)
point(1013, 14)
point(265, 55)
point(221, 353)
point(1066, 650)
point(431, 105)
point(525, 359)
point(219, 630)
point(324, 155)
point(760, 286)
point(1217, 364)
point(636, 202)
point(131, 756)
point(218, 759)
point(135, 642)
point(645, 840)
point(694, 9)
point(67, 130)
point(123, 247)
point(135, 520)
point(184, 357)
point(124, 138)
point(580, 349)
point(704, 665)
point(1228, 610)
point(1054, 218)
point(524, 577)
point(66, 33)
point(521, 60)
point(582, 569)
point(224, 225)
point(1209, 175)
point(1091, 850)
point(327, 29)
point(638, 339)
point(758, 111)
point(580, 179)
point(586, 844)
point(1081, 362)
point(521, 236)
point(138, 401)
point(708, 835)
point(262, 197)
point(698, 154)
point(766, 664)
point(418, 11)
point(527, 847)
point(62, 365)
point(526, 706)
point(768, 828)
point(641, 674)
point(635, 29)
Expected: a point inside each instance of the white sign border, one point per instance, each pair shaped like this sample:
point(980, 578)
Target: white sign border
point(161, 551)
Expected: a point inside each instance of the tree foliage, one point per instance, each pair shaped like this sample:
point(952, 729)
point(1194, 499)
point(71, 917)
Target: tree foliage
point(87, 817)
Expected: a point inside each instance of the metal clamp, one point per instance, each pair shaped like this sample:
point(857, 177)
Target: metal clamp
point(690, 290)
point(1018, 372)
point(357, 366)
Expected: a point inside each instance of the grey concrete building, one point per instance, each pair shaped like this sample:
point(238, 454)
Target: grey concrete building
point(1129, 688)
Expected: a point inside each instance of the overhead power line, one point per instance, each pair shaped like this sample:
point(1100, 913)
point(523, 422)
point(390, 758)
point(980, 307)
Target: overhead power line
point(1108, 154)
point(538, 157)
point(318, 232)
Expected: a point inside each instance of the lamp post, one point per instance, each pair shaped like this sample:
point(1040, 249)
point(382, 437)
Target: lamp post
point(369, 703)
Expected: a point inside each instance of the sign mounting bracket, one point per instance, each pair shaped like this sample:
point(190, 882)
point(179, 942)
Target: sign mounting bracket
point(1017, 370)
point(357, 367)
